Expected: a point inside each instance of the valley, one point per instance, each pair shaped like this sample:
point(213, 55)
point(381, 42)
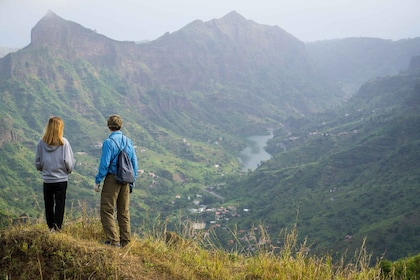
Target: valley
point(341, 160)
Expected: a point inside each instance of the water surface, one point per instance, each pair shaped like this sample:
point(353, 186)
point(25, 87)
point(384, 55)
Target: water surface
point(252, 156)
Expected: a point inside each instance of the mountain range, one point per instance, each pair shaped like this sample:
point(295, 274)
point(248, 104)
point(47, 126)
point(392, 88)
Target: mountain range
point(189, 98)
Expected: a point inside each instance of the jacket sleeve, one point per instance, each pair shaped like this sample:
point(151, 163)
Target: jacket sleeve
point(69, 160)
point(104, 162)
point(134, 160)
point(38, 154)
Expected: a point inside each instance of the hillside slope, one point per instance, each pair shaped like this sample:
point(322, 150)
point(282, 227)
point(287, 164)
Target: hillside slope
point(186, 100)
point(347, 174)
point(353, 61)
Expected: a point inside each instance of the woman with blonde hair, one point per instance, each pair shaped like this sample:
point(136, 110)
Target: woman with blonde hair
point(54, 158)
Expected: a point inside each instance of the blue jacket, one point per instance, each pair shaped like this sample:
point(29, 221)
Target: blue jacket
point(110, 153)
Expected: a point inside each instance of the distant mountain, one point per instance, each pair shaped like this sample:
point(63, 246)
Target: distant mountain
point(227, 50)
point(347, 174)
point(353, 61)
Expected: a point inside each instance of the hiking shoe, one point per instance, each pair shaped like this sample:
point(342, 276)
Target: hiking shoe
point(109, 243)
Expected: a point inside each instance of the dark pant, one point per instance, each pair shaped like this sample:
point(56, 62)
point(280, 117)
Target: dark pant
point(55, 203)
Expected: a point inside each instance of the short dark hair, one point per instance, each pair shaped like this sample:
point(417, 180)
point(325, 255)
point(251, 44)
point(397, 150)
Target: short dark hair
point(114, 122)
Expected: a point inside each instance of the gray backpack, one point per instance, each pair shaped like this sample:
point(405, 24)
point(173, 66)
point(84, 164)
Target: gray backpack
point(125, 171)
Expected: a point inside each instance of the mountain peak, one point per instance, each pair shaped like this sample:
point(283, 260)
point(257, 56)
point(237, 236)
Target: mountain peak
point(234, 15)
point(57, 33)
point(234, 19)
point(51, 17)
point(51, 14)
point(52, 30)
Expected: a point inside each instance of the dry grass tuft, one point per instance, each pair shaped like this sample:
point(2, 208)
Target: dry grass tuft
point(31, 252)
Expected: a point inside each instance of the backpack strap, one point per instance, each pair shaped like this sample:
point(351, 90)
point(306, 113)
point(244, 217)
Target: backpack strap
point(118, 147)
point(116, 143)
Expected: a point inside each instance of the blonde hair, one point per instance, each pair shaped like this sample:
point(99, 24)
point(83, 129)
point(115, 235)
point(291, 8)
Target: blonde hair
point(54, 130)
point(114, 122)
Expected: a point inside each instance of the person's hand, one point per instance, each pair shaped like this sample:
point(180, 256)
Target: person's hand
point(131, 185)
point(96, 187)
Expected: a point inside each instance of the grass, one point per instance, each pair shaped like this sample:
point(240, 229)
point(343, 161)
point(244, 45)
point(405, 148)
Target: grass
point(30, 251)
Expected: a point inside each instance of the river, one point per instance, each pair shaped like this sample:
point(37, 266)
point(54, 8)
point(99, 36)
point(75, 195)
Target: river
point(251, 157)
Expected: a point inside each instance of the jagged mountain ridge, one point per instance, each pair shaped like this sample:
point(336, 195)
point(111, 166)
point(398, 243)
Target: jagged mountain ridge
point(228, 47)
point(239, 62)
point(223, 55)
point(71, 71)
point(218, 66)
point(54, 32)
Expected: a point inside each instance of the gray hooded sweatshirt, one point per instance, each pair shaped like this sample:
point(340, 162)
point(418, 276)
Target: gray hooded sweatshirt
point(55, 162)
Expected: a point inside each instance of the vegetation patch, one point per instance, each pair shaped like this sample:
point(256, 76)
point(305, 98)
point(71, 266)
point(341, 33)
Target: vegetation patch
point(30, 251)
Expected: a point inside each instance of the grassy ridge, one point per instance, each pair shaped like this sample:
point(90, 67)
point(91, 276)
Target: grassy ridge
point(30, 251)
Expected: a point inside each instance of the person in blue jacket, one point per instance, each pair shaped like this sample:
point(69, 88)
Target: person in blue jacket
point(54, 158)
point(115, 195)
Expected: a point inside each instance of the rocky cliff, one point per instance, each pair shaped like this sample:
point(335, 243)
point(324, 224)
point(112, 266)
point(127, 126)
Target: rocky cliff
point(54, 32)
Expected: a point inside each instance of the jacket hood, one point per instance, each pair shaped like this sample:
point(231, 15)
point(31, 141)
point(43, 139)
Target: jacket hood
point(49, 148)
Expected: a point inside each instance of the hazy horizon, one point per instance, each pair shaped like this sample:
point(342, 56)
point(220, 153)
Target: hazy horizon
point(130, 20)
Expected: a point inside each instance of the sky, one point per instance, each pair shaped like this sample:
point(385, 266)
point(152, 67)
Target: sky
point(137, 20)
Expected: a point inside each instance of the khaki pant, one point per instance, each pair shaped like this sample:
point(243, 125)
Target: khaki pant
point(115, 196)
